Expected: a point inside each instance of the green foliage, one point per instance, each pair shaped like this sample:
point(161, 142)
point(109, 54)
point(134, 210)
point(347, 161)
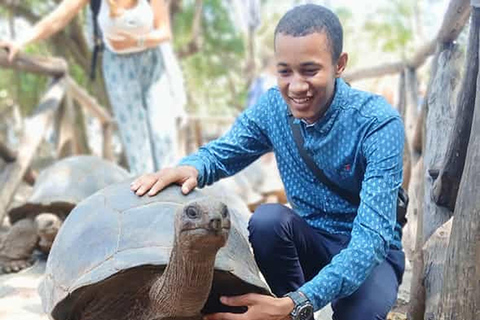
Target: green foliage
point(210, 72)
point(391, 26)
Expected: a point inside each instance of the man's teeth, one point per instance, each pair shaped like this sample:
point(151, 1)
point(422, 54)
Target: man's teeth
point(303, 100)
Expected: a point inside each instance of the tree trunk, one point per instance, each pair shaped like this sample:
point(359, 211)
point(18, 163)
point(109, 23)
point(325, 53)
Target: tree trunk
point(402, 101)
point(411, 110)
point(460, 298)
point(446, 186)
point(440, 116)
point(67, 143)
point(434, 255)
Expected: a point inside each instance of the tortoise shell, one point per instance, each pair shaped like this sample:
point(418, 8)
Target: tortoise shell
point(115, 231)
point(62, 185)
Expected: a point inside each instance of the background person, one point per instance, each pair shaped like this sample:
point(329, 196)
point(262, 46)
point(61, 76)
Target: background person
point(138, 87)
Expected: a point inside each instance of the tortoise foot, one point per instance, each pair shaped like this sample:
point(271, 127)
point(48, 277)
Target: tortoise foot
point(12, 266)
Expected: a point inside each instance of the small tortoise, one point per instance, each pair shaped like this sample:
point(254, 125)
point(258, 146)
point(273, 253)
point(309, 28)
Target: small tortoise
point(170, 256)
point(56, 192)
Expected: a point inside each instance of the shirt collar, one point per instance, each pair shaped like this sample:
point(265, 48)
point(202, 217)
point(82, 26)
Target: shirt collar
point(325, 123)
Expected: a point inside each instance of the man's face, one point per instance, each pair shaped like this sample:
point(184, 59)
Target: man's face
point(306, 73)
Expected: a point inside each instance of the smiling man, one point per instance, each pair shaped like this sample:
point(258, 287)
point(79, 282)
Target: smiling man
point(325, 249)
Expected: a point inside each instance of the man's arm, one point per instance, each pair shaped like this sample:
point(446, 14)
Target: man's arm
point(234, 151)
point(373, 227)
point(239, 147)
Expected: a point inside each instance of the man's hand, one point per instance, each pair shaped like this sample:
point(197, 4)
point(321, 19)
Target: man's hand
point(260, 307)
point(186, 176)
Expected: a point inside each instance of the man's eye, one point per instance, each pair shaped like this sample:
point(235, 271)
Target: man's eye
point(310, 72)
point(283, 72)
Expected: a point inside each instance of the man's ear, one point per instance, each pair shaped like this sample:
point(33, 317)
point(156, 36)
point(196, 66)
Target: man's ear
point(341, 64)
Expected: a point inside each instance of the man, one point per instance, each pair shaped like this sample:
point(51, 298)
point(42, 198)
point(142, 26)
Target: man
point(325, 249)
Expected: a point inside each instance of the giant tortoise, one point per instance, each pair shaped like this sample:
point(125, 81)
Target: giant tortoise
point(170, 256)
point(56, 191)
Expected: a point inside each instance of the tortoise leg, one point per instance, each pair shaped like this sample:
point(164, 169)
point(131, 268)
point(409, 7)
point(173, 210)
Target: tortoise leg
point(47, 226)
point(17, 246)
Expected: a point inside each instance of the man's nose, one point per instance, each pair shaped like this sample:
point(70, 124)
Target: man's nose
point(298, 84)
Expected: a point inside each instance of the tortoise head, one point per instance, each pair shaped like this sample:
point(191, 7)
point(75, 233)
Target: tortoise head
point(202, 225)
point(47, 226)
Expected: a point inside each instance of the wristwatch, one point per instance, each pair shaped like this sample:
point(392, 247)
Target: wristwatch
point(303, 309)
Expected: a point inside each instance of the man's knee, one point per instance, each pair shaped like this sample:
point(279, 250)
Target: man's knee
point(373, 300)
point(270, 219)
point(366, 309)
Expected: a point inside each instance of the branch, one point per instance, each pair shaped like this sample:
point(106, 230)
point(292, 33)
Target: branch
point(51, 66)
point(193, 46)
point(453, 22)
point(74, 43)
point(23, 11)
point(88, 102)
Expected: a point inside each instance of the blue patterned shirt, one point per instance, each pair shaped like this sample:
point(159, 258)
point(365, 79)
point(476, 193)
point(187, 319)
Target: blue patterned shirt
point(358, 143)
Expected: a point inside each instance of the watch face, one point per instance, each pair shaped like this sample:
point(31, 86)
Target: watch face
point(305, 312)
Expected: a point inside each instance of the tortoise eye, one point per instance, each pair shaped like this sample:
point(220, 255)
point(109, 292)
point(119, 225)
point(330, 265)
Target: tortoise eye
point(192, 212)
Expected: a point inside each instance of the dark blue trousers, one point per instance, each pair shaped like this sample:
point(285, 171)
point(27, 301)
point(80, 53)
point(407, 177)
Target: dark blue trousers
point(289, 252)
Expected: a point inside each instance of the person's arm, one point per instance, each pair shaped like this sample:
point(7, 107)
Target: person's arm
point(161, 22)
point(46, 27)
point(373, 227)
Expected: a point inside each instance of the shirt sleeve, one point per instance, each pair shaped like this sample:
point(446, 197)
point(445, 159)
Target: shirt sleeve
point(373, 227)
point(239, 147)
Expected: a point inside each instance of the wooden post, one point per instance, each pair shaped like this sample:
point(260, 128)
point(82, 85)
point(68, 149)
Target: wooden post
point(33, 133)
point(92, 106)
point(107, 150)
point(67, 141)
point(8, 155)
point(416, 308)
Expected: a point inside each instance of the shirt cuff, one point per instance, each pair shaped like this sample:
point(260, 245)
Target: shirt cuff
point(197, 164)
point(314, 294)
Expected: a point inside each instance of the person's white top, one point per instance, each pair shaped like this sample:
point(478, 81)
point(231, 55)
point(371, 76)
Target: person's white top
point(137, 21)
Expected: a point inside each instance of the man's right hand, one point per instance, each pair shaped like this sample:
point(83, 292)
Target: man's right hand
point(153, 183)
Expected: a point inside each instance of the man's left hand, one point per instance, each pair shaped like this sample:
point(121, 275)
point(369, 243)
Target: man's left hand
point(260, 307)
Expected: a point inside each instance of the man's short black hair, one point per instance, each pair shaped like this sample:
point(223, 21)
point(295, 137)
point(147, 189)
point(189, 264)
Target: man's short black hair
point(309, 18)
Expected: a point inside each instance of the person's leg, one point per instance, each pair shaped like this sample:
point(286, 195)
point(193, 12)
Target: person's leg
point(161, 106)
point(377, 295)
point(287, 250)
point(125, 94)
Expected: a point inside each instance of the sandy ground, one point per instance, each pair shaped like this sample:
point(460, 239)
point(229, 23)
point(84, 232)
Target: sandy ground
point(19, 299)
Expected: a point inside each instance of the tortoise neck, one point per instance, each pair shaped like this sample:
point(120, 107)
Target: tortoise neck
point(184, 287)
